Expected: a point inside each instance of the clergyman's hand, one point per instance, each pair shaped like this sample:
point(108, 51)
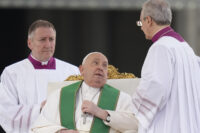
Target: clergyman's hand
point(93, 109)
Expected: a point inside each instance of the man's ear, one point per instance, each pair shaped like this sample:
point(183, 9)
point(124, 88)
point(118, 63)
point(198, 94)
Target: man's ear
point(81, 69)
point(29, 43)
point(149, 20)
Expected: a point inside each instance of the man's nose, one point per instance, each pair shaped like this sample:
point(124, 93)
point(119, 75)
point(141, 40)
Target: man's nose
point(100, 67)
point(48, 43)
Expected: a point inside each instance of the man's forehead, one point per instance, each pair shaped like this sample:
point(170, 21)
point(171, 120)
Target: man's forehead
point(97, 56)
point(43, 31)
point(100, 58)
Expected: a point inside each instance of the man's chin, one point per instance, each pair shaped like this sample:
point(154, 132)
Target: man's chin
point(44, 59)
point(98, 83)
point(147, 37)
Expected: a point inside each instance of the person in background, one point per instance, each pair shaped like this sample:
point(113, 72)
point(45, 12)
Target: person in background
point(23, 87)
point(167, 99)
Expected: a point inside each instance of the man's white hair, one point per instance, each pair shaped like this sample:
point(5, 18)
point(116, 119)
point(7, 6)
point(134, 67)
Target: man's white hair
point(85, 58)
point(158, 10)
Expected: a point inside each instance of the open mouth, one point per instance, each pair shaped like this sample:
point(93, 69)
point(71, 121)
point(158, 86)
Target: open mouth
point(99, 75)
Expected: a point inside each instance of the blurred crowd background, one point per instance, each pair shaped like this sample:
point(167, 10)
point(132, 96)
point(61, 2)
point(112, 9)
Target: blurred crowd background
point(83, 26)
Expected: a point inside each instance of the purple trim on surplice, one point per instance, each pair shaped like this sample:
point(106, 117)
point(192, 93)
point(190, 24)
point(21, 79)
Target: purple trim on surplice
point(38, 65)
point(168, 31)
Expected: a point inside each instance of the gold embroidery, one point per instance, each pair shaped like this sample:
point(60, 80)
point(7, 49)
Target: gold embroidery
point(112, 74)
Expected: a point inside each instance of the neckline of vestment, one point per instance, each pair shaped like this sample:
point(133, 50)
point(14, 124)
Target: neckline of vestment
point(50, 64)
point(167, 31)
point(86, 89)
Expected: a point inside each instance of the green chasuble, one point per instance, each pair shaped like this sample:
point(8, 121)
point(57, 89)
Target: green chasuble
point(107, 101)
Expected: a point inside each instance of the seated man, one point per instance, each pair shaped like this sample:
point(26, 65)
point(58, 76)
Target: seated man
point(89, 105)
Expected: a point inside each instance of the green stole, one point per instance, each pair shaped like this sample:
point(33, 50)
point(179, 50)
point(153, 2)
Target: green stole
point(107, 100)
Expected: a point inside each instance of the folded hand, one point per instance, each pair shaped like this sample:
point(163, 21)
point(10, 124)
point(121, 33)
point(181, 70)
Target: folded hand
point(93, 109)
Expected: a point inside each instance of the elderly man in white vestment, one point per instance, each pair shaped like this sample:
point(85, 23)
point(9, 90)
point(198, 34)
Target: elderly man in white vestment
point(167, 99)
point(89, 105)
point(24, 84)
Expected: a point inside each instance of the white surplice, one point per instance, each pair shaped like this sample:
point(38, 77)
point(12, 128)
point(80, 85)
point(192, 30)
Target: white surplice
point(198, 58)
point(167, 99)
point(122, 120)
point(23, 88)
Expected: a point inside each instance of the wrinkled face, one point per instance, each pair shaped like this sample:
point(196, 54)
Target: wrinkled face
point(42, 43)
point(145, 26)
point(94, 70)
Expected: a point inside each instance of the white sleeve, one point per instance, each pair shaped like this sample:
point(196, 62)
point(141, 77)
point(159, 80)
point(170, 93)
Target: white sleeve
point(49, 119)
point(155, 83)
point(198, 59)
point(14, 115)
point(123, 119)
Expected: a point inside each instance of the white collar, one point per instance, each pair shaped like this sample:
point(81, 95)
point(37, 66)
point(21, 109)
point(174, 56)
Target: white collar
point(88, 91)
point(42, 63)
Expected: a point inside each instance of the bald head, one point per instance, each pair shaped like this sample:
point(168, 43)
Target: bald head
point(85, 58)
